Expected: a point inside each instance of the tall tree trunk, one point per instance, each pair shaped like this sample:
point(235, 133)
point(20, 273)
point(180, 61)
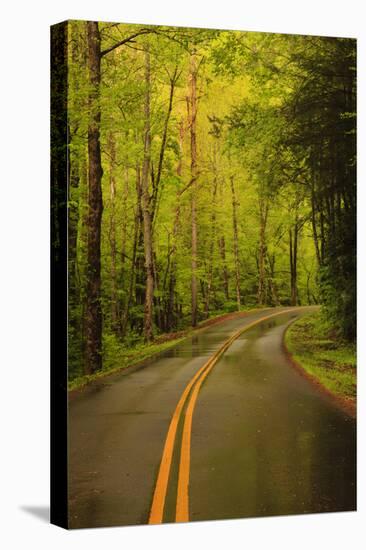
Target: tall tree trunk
point(193, 129)
point(170, 316)
point(236, 243)
point(124, 320)
point(313, 223)
point(159, 313)
point(157, 301)
point(156, 180)
point(293, 243)
point(123, 274)
point(308, 293)
point(296, 242)
point(222, 250)
point(146, 211)
point(134, 259)
point(112, 235)
point(181, 145)
point(211, 248)
point(225, 274)
point(93, 311)
point(140, 285)
point(271, 260)
point(263, 213)
point(171, 320)
point(322, 233)
point(73, 219)
point(124, 221)
point(171, 310)
point(82, 248)
point(76, 165)
point(73, 188)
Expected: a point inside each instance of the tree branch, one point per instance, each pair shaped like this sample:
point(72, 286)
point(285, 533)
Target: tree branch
point(125, 40)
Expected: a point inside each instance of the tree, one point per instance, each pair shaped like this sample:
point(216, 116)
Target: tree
point(192, 113)
point(93, 312)
point(206, 176)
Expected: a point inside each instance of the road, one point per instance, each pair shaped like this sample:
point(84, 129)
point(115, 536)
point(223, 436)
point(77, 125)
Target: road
point(250, 436)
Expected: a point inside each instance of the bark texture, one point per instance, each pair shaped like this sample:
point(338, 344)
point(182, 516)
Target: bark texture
point(146, 212)
point(93, 310)
point(236, 241)
point(193, 130)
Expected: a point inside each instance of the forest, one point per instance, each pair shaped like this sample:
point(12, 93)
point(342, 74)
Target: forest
point(209, 172)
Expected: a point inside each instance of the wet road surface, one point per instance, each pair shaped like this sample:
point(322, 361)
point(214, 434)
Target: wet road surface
point(264, 440)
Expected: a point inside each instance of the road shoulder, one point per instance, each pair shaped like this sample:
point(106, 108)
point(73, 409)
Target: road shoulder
point(324, 359)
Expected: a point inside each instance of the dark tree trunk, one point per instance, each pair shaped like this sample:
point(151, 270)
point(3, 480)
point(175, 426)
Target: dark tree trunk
point(192, 121)
point(124, 320)
point(322, 234)
point(236, 242)
point(222, 250)
point(172, 311)
point(225, 274)
point(93, 310)
point(211, 249)
point(140, 272)
point(140, 255)
point(308, 293)
point(263, 213)
point(112, 237)
point(124, 224)
point(134, 260)
point(181, 143)
point(76, 162)
point(170, 315)
point(314, 227)
point(146, 211)
point(293, 243)
point(82, 248)
point(73, 219)
point(156, 180)
point(271, 260)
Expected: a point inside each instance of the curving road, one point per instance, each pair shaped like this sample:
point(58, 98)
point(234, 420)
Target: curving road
point(258, 438)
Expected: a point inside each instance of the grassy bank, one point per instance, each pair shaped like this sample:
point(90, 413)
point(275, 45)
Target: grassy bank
point(323, 355)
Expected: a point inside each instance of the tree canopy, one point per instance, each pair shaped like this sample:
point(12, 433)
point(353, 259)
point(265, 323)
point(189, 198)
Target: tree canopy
point(209, 171)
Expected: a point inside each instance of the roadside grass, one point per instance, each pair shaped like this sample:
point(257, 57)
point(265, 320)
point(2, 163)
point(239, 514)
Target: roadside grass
point(323, 355)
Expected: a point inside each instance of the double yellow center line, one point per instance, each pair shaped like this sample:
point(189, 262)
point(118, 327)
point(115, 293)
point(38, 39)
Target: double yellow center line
point(191, 393)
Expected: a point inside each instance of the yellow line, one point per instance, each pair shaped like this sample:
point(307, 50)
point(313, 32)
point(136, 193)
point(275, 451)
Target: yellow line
point(182, 510)
point(158, 503)
point(182, 507)
point(157, 507)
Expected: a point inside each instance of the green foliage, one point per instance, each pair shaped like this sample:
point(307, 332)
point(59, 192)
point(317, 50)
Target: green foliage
point(299, 141)
point(273, 118)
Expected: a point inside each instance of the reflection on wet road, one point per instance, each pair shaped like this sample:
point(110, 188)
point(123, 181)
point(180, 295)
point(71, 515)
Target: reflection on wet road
point(264, 441)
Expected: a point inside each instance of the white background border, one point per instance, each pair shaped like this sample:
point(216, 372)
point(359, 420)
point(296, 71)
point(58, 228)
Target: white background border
point(24, 274)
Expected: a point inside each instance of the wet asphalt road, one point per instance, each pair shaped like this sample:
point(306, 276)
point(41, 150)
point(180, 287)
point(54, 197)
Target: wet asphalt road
point(264, 440)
